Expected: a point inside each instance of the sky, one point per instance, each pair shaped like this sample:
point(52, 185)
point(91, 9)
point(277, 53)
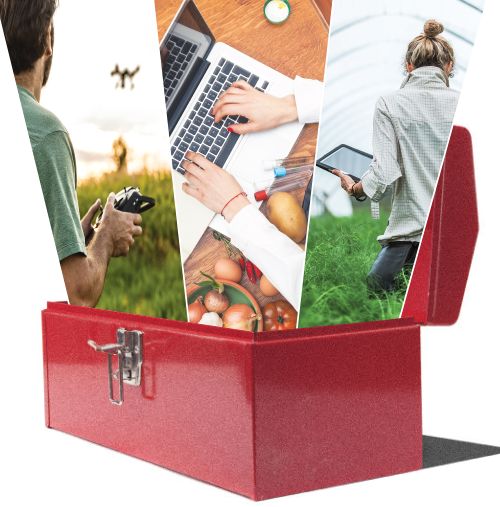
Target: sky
point(91, 37)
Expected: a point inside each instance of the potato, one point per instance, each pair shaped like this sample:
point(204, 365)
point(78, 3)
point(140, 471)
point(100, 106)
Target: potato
point(287, 215)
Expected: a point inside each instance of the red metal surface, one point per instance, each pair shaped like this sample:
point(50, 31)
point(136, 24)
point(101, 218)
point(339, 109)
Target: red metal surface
point(336, 405)
point(263, 415)
point(193, 411)
point(45, 372)
point(440, 275)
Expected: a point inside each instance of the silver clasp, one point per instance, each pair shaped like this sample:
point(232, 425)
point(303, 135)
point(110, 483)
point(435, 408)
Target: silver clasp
point(128, 348)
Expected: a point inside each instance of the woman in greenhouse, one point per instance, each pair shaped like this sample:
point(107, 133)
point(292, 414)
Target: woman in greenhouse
point(411, 132)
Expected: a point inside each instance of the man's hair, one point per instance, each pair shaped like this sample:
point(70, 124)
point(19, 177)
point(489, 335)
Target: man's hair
point(25, 25)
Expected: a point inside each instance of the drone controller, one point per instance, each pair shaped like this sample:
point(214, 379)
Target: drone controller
point(130, 200)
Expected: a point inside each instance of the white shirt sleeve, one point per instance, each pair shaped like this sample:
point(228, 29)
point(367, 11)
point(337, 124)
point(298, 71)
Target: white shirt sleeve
point(308, 98)
point(274, 253)
point(384, 169)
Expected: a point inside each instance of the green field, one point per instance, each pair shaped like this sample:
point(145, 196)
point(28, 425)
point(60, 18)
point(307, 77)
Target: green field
point(340, 254)
point(148, 281)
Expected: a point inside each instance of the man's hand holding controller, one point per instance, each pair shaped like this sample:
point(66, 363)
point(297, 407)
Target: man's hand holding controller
point(112, 236)
point(118, 229)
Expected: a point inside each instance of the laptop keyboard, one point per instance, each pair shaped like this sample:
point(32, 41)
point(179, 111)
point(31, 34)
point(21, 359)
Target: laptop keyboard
point(200, 133)
point(180, 53)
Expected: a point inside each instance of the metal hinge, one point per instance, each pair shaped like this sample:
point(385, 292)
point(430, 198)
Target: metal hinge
point(128, 349)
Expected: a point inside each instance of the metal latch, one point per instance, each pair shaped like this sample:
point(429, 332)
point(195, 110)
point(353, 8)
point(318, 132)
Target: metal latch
point(128, 349)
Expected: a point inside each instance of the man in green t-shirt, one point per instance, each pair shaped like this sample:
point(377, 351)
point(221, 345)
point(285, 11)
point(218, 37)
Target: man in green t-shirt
point(84, 254)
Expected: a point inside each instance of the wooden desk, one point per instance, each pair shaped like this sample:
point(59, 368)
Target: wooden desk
point(298, 47)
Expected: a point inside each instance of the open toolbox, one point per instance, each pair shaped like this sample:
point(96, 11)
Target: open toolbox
point(273, 413)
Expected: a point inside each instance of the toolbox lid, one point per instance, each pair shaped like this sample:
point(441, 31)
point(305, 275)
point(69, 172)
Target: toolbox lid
point(441, 271)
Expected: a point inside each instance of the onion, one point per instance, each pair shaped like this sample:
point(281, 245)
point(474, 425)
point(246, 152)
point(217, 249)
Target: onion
point(216, 302)
point(211, 319)
point(240, 317)
point(196, 311)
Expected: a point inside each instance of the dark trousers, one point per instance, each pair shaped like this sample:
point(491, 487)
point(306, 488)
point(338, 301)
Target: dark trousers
point(392, 259)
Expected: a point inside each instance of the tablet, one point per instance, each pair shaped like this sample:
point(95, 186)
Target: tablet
point(347, 159)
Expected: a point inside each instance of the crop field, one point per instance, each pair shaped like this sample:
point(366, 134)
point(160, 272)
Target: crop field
point(340, 254)
point(148, 281)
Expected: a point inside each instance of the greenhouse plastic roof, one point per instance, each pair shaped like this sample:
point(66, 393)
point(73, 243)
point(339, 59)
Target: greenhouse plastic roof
point(368, 40)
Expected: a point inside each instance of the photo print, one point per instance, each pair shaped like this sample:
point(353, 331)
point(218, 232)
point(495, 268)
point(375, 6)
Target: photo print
point(243, 117)
point(394, 72)
point(95, 118)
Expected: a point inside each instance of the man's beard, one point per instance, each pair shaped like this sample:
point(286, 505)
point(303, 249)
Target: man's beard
point(48, 63)
point(46, 71)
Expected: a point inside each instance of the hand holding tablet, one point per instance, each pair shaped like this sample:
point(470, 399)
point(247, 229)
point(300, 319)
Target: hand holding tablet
point(348, 160)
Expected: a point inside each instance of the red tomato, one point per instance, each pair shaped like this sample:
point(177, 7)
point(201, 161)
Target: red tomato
point(279, 316)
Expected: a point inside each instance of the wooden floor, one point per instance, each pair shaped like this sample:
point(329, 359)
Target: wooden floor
point(297, 47)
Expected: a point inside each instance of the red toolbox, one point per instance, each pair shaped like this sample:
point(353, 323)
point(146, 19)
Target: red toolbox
point(265, 414)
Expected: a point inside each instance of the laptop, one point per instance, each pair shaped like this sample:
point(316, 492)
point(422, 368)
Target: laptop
point(345, 158)
point(196, 70)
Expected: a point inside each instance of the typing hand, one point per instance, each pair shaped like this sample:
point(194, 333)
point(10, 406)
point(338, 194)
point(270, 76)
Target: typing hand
point(263, 111)
point(212, 186)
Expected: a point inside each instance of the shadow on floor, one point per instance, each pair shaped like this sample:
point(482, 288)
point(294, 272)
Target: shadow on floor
point(441, 451)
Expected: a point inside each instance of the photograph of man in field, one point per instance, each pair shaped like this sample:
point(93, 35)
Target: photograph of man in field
point(118, 142)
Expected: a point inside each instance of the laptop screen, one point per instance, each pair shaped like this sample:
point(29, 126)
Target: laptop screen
point(186, 44)
point(348, 160)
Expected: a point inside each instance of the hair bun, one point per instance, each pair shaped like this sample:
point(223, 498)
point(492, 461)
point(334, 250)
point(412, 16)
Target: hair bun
point(433, 28)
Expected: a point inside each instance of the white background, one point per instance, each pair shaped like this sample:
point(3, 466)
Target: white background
point(461, 374)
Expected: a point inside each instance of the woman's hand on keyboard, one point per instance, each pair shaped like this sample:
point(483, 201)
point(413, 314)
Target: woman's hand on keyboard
point(263, 111)
point(212, 186)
